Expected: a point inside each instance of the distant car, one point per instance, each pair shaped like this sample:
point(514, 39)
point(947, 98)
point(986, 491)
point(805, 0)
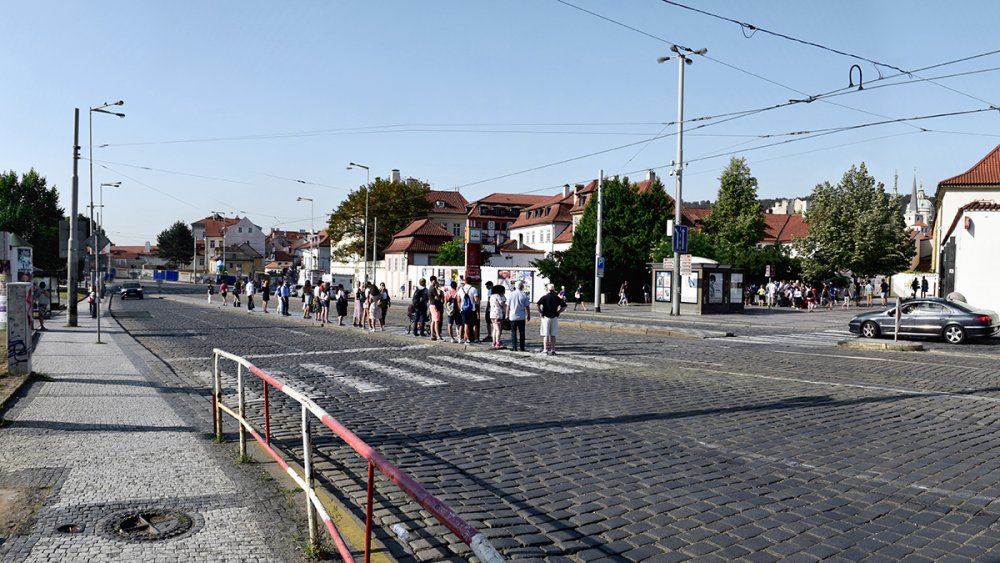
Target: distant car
point(131, 289)
point(954, 321)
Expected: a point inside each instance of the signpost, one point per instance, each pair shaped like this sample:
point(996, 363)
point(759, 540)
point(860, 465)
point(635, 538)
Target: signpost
point(685, 264)
point(600, 266)
point(680, 239)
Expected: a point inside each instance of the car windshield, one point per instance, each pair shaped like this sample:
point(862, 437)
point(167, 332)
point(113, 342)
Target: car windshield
point(131, 285)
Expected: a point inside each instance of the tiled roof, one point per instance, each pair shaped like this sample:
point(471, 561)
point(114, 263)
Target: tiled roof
point(511, 247)
point(978, 205)
point(423, 228)
point(410, 244)
point(783, 229)
point(986, 172)
point(214, 224)
point(511, 199)
point(553, 210)
point(564, 237)
point(695, 216)
point(131, 252)
point(453, 202)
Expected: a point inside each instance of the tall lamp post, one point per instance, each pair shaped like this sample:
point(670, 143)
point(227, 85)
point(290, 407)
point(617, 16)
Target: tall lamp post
point(90, 115)
point(312, 230)
point(100, 223)
point(368, 181)
point(683, 58)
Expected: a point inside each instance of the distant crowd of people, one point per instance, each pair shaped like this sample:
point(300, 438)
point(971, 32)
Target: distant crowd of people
point(825, 295)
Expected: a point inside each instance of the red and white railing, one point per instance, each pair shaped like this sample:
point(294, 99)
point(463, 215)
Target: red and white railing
point(472, 537)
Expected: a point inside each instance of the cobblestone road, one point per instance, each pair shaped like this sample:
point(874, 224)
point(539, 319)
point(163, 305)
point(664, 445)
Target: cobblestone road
point(634, 448)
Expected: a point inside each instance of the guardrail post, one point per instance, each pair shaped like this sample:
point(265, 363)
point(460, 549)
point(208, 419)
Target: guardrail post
point(267, 417)
point(368, 512)
point(217, 400)
point(307, 461)
point(243, 410)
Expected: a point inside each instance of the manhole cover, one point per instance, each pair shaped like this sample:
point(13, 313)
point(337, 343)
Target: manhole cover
point(151, 525)
point(70, 528)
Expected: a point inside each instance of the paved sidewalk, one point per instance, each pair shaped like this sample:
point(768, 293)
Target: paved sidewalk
point(98, 437)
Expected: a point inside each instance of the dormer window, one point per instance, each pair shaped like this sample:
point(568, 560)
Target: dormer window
point(439, 204)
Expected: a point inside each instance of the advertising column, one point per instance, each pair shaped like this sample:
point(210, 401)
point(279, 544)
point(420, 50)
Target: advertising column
point(473, 255)
point(19, 328)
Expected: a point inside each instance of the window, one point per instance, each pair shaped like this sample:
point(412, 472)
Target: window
point(241, 229)
point(532, 237)
point(249, 229)
point(491, 225)
point(211, 244)
point(456, 229)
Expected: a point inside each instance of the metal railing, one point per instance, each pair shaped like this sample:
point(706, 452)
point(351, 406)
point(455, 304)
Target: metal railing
point(441, 512)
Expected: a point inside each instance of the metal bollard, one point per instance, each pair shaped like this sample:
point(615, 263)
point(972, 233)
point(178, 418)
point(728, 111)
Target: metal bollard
point(243, 410)
point(217, 401)
point(308, 478)
point(368, 512)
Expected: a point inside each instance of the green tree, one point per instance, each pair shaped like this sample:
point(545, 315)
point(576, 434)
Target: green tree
point(31, 210)
point(394, 204)
point(736, 220)
point(176, 243)
point(451, 253)
point(854, 227)
point(633, 223)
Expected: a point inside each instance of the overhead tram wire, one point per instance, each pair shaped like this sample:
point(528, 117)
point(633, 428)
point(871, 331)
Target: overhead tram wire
point(754, 29)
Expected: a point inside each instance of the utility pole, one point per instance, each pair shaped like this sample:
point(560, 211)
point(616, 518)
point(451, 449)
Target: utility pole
point(598, 271)
point(374, 256)
point(71, 274)
point(683, 58)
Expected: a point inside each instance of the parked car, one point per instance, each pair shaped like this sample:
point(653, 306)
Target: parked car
point(131, 289)
point(295, 291)
point(933, 317)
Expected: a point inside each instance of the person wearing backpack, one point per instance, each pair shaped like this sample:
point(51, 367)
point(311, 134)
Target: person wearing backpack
point(452, 311)
point(420, 309)
point(468, 296)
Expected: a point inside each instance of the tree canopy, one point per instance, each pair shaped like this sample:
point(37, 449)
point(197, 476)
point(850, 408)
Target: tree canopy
point(175, 244)
point(451, 253)
point(394, 204)
point(736, 220)
point(854, 227)
point(31, 210)
point(633, 223)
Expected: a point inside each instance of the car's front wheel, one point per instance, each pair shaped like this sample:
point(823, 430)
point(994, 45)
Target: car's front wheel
point(869, 329)
point(954, 334)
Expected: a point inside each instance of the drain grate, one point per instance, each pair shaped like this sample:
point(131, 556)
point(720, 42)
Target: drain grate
point(150, 525)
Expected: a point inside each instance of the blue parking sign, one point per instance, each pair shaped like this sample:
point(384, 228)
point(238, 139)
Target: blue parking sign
point(680, 238)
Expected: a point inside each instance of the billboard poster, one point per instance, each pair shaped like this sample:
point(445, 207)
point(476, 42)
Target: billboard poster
point(736, 288)
point(689, 288)
point(662, 286)
point(24, 265)
point(715, 287)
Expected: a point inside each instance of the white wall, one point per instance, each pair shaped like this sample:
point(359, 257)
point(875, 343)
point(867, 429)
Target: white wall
point(953, 200)
point(245, 231)
point(976, 270)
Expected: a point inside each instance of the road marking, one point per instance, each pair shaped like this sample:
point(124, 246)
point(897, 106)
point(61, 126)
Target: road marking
point(293, 331)
point(521, 361)
point(345, 380)
point(873, 359)
point(421, 380)
point(442, 370)
point(914, 392)
point(611, 360)
point(578, 362)
point(310, 353)
point(195, 334)
point(482, 365)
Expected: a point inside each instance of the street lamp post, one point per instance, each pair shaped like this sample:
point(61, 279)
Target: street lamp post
point(683, 58)
point(71, 262)
point(100, 223)
point(312, 230)
point(368, 181)
point(90, 115)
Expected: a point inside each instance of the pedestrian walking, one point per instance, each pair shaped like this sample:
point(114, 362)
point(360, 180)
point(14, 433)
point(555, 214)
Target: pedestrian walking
point(92, 301)
point(623, 294)
point(224, 293)
point(577, 298)
point(359, 306)
point(498, 313)
point(307, 300)
point(211, 290)
point(40, 296)
point(286, 294)
point(924, 286)
point(489, 292)
point(550, 307)
point(251, 290)
point(884, 292)
point(519, 312)
point(914, 285)
point(341, 297)
point(419, 302)
point(372, 306)
point(452, 311)
point(265, 294)
point(436, 308)
point(645, 293)
point(384, 303)
point(467, 299)
point(563, 295)
point(237, 292)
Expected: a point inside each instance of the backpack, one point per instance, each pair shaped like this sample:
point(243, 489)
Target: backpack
point(420, 298)
point(466, 302)
point(449, 304)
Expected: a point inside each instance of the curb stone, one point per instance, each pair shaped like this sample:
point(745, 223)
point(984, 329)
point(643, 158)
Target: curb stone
point(889, 346)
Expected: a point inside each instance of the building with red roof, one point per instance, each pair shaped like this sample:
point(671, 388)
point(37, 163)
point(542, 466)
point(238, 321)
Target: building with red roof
point(417, 244)
point(496, 213)
point(967, 232)
point(450, 210)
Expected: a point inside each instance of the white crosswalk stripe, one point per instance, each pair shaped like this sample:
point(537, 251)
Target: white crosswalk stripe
point(609, 359)
point(521, 361)
point(481, 365)
point(577, 361)
point(823, 338)
point(344, 379)
point(421, 380)
point(442, 370)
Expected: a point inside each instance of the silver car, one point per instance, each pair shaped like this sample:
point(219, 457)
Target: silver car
point(932, 317)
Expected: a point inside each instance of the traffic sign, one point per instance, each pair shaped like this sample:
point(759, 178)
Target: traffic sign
point(668, 263)
point(680, 238)
point(600, 266)
point(685, 264)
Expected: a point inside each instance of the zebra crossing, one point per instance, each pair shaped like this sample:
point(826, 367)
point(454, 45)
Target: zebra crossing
point(828, 337)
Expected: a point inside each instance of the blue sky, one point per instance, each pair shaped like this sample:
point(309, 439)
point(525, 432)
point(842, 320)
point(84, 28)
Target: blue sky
point(229, 102)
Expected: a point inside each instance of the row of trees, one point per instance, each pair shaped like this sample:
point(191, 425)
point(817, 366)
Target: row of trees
point(855, 229)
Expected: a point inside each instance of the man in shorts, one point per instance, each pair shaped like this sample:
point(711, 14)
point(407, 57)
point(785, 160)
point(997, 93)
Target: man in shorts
point(453, 311)
point(470, 317)
point(549, 307)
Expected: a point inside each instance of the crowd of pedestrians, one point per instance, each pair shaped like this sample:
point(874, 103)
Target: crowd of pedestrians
point(826, 295)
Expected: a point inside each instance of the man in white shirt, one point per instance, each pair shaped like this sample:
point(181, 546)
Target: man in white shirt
point(470, 314)
point(519, 312)
point(251, 291)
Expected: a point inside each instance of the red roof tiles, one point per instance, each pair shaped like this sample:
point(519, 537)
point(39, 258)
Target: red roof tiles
point(451, 202)
point(985, 172)
point(783, 229)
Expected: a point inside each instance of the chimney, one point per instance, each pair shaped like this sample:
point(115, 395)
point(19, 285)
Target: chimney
point(394, 176)
point(577, 188)
point(146, 248)
point(565, 192)
point(650, 176)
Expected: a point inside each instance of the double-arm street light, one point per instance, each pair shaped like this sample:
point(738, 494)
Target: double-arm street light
point(368, 182)
point(90, 115)
point(683, 56)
